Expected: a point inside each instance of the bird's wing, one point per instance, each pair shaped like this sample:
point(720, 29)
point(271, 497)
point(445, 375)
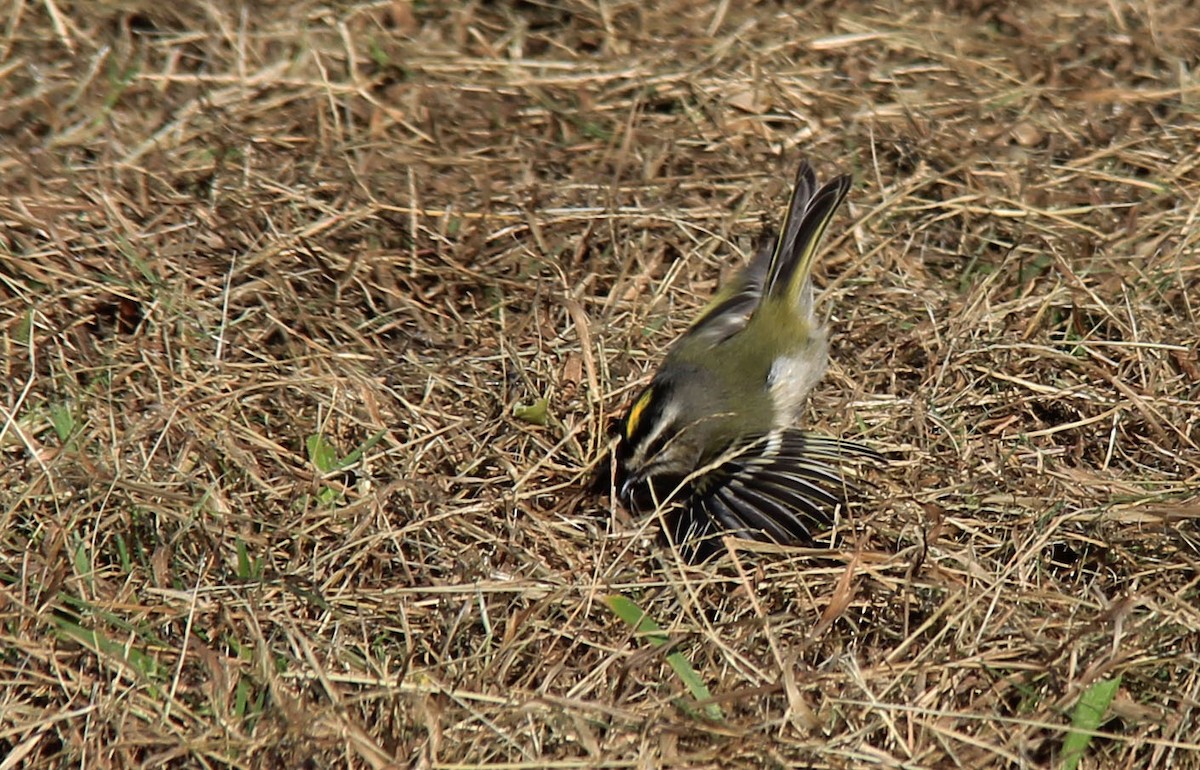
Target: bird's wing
point(781, 488)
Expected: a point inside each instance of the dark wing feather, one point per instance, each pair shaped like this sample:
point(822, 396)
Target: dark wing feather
point(780, 488)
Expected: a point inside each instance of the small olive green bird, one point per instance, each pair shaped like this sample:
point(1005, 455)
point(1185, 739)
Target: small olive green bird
point(715, 429)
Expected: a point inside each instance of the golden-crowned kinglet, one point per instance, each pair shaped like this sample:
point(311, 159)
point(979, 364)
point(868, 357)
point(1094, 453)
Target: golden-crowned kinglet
point(714, 430)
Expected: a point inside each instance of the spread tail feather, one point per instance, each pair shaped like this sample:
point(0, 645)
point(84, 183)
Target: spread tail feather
point(809, 213)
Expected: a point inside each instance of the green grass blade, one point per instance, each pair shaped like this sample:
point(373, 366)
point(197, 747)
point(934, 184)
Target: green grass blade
point(322, 453)
point(357, 454)
point(645, 627)
point(1088, 715)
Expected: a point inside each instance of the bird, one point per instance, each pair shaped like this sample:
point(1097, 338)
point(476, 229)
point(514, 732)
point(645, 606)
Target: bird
point(712, 441)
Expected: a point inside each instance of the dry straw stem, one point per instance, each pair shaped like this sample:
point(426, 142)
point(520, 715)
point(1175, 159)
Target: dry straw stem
point(226, 229)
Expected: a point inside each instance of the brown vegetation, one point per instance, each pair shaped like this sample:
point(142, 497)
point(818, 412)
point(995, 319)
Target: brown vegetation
point(241, 246)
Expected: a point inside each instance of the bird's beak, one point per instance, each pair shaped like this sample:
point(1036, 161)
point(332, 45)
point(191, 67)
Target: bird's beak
point(627, 488)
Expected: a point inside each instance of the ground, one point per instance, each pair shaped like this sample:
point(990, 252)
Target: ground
point(315, 316)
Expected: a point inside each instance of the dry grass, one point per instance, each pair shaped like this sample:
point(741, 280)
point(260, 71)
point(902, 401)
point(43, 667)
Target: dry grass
point(225, 233)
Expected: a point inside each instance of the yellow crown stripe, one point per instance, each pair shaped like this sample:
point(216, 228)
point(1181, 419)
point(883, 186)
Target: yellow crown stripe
point(635, 412)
